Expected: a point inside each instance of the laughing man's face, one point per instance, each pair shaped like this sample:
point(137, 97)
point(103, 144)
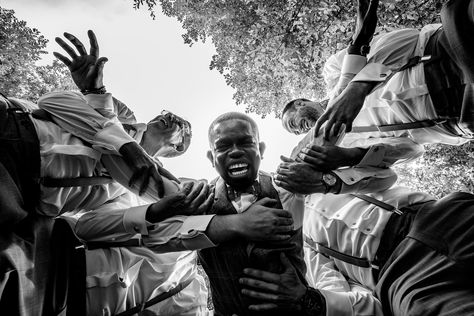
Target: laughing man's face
point(300, 118)
point(236, 152)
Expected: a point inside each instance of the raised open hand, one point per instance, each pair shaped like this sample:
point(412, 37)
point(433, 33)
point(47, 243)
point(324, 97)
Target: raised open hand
point(86, 69)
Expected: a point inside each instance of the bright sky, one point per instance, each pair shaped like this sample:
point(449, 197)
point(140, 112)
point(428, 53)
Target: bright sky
point(150, 69)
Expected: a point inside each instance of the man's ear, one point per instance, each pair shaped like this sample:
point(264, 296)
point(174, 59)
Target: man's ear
point(210, 157)
point(261, 148)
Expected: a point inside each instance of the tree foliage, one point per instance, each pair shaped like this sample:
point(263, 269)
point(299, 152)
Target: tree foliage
point(272, 51)
point(20, 48)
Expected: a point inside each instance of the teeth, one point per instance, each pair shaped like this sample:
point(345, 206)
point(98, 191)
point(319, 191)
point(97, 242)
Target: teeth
point(238, 169)
point(238, 173)
point(238, 165)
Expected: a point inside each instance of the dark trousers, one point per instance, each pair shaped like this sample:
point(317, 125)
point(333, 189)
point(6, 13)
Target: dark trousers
point(431, 272)
point(450, 72)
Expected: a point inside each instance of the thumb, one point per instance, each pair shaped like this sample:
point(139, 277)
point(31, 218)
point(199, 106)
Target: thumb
point(264, 201)
point(286, 159)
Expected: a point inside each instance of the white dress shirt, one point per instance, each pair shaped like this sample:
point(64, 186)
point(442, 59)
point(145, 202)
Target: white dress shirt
point(403, 98)
point(119, 278)
point(352, 226)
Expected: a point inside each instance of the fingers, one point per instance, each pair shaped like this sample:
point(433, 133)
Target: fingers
point(77, 43)
point(159, 182)
point(265, 201)
point(262, 307)
point(258, 284)
point(63, 59)
point(286, 159)
point(135, 176)
point(283, 213)
point(327, 128)
point(146, 179)
point(315, 162)
point(206, 206)
point(202, 196)
point(319, 123)
point(336, 128)
point(262, 275)
point(94, 45)
point(196, 189)
point(165, 173)
point(66, 47)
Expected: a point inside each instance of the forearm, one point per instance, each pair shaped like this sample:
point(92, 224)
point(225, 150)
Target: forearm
point(72, 112)
point(122, 173)
point(223, 228)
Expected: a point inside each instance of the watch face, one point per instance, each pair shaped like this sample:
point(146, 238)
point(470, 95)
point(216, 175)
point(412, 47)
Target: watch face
point(329, 179)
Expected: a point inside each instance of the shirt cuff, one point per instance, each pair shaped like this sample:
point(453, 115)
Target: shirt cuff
point(337, 303)
point(134, 220)
point(373, 72)
point(100, 101)
point(192, 232)
point(352, 64)
point(373, 157)
point(112, 137)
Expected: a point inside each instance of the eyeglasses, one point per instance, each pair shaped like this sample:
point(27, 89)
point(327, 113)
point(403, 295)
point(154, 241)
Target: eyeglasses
point(184, 126)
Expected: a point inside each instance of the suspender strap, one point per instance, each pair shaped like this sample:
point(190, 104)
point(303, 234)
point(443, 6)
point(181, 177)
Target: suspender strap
point(380, 204)
point(397, 127)
point(161, 297)
point(318, 247)
point(402, 126)
point(74, 182)
point(135, 242)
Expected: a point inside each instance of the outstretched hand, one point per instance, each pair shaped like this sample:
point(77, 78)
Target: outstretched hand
point(86, 69)
point(144, 168)
point(283, 290)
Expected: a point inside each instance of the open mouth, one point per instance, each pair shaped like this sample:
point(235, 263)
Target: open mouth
point(238, 169)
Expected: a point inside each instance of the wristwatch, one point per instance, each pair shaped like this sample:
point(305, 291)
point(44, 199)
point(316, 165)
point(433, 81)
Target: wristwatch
point(329, 180)
point(313, 303)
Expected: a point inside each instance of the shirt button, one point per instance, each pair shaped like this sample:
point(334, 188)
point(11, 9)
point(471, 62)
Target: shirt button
point(376, 149)
point(136, 229)
point(352, 179)
point(368, 229)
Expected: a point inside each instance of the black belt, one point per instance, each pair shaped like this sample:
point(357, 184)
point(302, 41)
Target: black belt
point(134, 242)
point(157, 299)
point(395, 231)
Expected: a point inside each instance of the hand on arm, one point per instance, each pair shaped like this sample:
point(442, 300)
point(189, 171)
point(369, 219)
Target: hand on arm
point(330, 157)
point(284, 290)
point(86, 69)
point(344, 108)
point(193, 198)
point(144, 168)
point(258, 223)
point(300, 177)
